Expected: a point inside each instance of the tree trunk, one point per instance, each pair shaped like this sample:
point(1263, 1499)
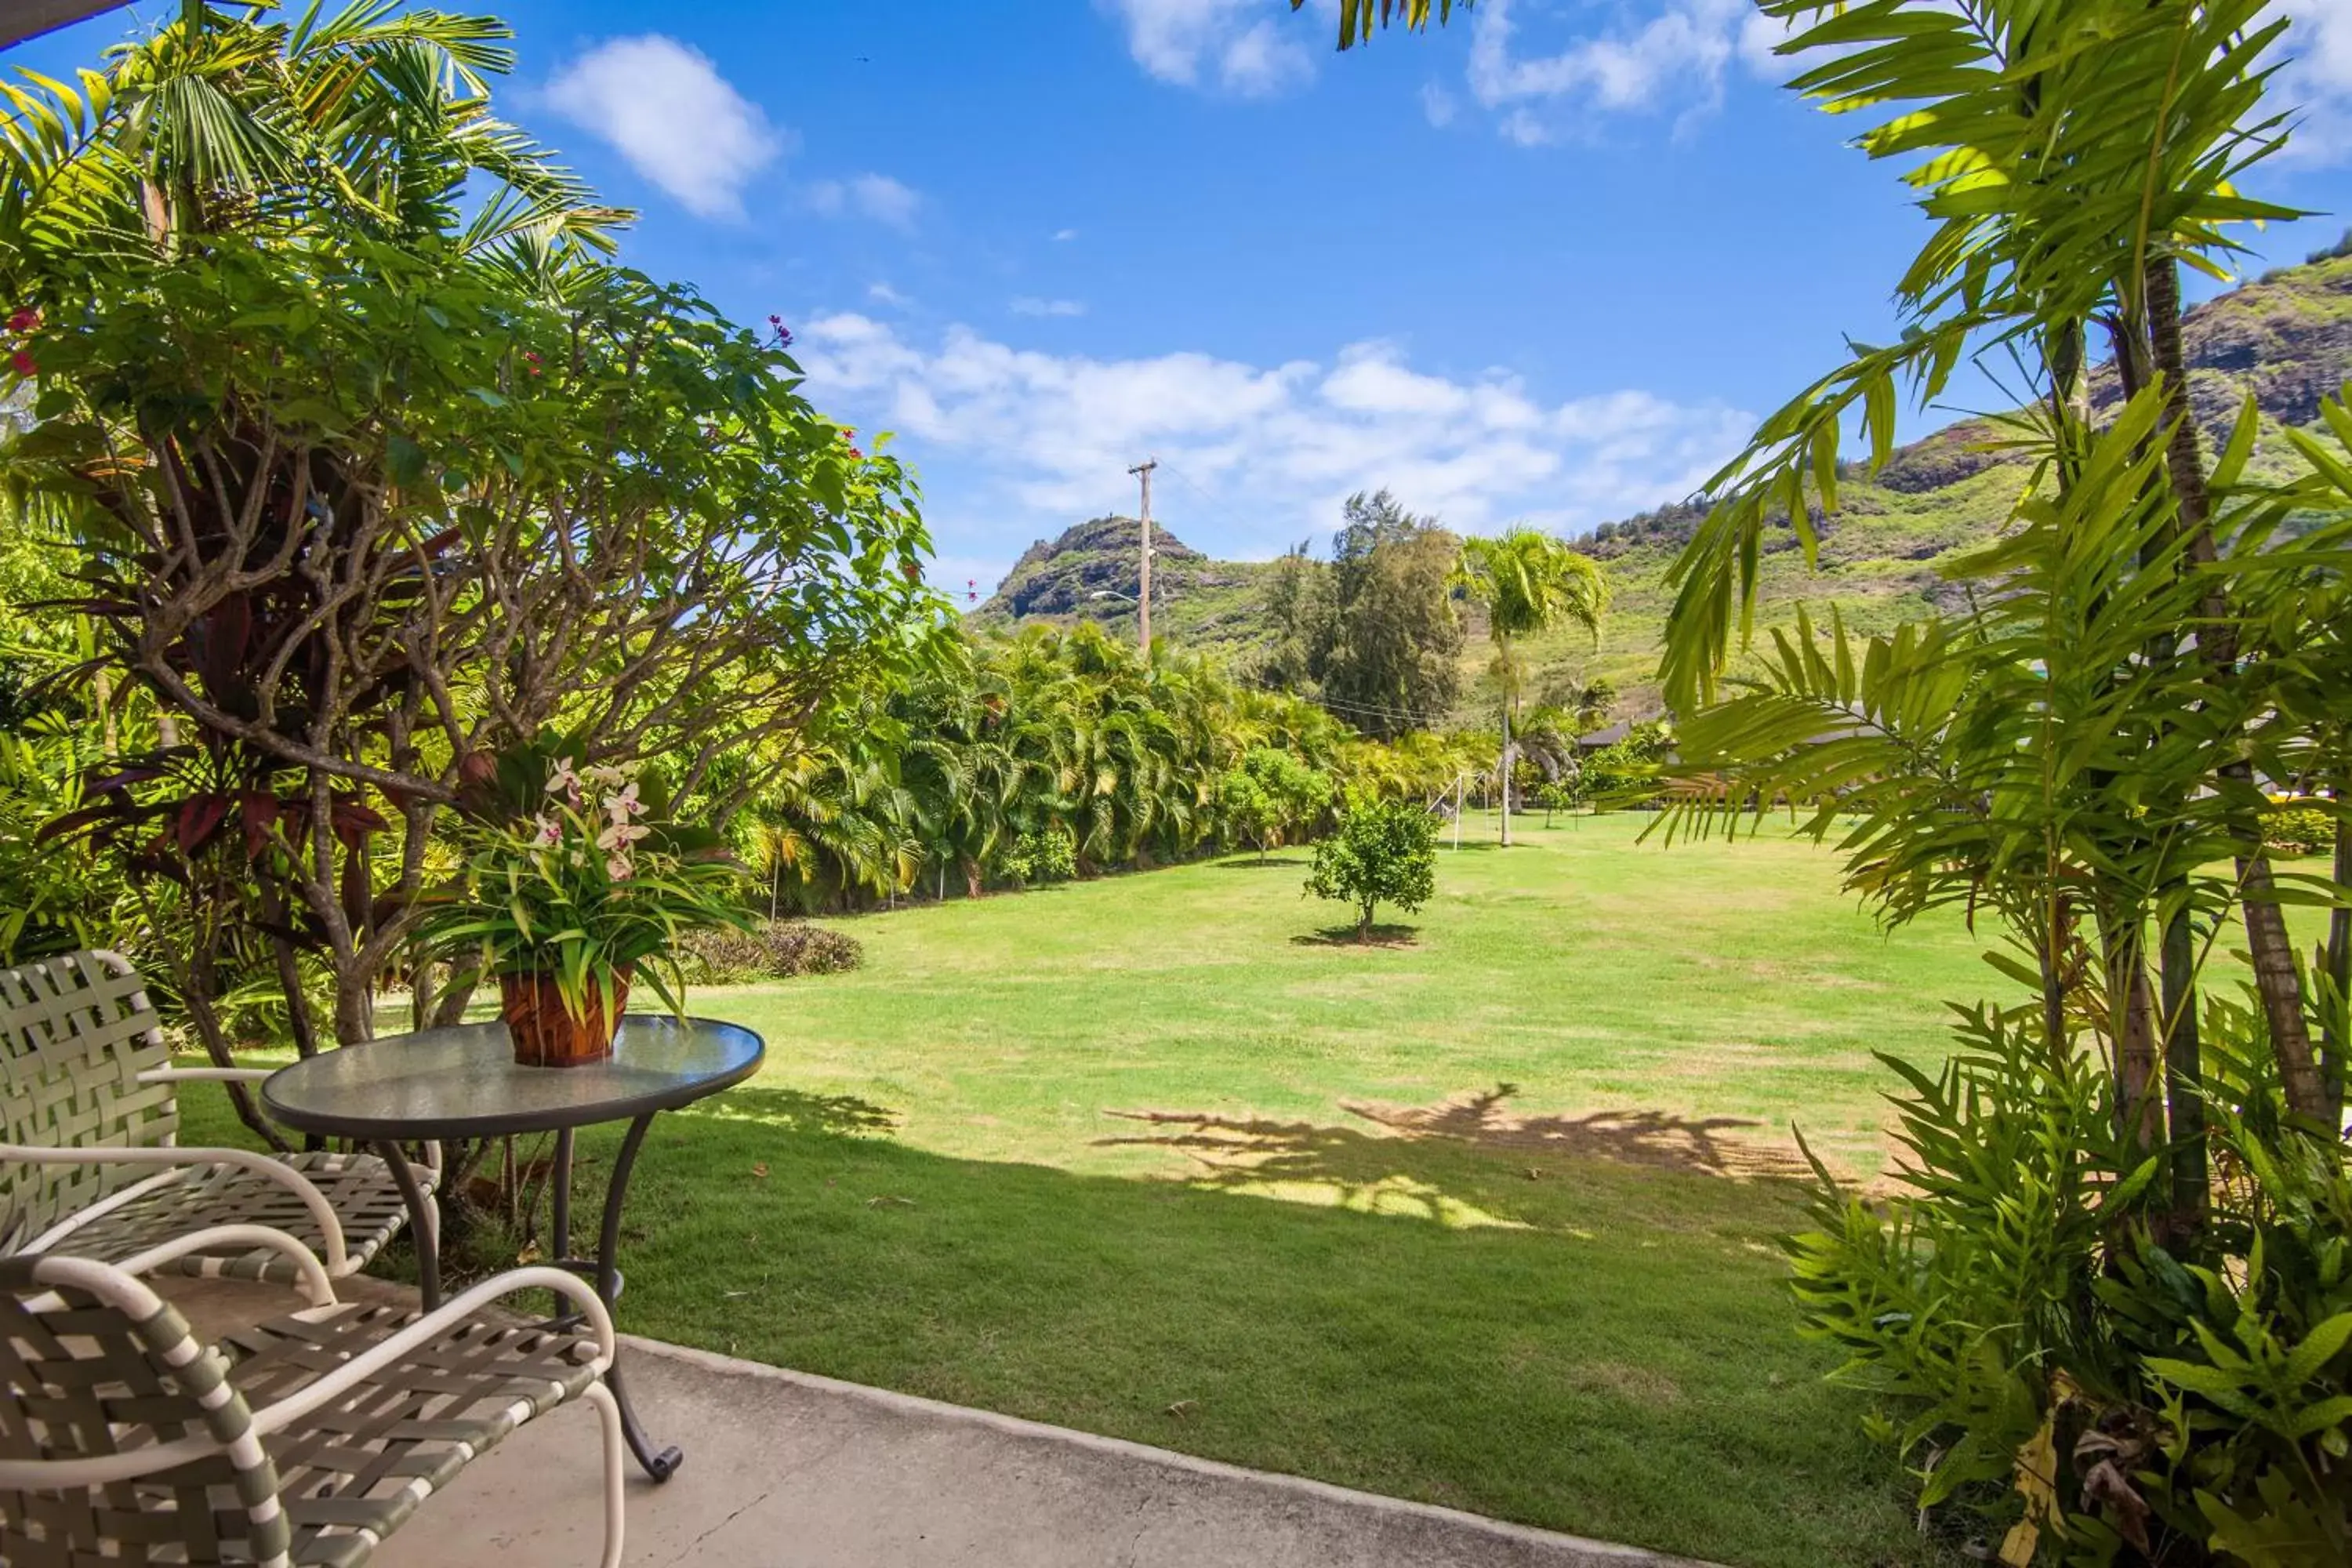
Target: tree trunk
point(2267, 942)
point(1505, 794)
point(2184, 1077)
point(2131, 1019)
point(2337, 961)
point(1364, 925)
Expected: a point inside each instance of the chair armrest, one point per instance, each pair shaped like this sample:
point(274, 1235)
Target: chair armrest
point(262, 1165)
point(204, 1075)
point(431, 1326)
point(316, 1285)
point(111, 1283)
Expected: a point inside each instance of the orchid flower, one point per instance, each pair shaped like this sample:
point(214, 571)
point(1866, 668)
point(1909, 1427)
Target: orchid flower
point(619, 837)
point(565, 780)
point(626, 804)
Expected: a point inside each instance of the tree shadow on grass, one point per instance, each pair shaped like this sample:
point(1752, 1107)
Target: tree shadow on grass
point(840, 1114)
point(1254, 864)
point(1255, 1152)
point(1345, 936)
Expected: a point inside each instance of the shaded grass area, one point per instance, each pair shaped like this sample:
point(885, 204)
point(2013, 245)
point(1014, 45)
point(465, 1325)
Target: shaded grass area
point(1485, 1216)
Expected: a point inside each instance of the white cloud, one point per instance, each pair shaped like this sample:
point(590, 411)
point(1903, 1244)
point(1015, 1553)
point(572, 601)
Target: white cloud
point(2317, 79)
point(881, 293)
point(1437, 105)
point(1028, 305)
point(1247, 47)
point(1066, 234)
point(1264, 453)
point(667, 111)
point(876, 196)
point(1669, 56)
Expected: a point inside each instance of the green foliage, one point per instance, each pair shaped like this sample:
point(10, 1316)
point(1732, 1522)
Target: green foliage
point(1373, 633)
point(771, 950)
point(2299, 827)
point(1043, 855)
point(1384, 852)
point(54, 896)
point(532, 493)
point(2186, 1398)
point(1625, 770)
point(1273, 795)
point(1052, 754)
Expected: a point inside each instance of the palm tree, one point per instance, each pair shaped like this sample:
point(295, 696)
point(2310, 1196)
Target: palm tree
point(373, 119)
point(1528, 582)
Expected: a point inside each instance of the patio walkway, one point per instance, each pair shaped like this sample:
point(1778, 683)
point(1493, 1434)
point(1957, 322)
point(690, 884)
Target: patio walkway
point(784, 1469)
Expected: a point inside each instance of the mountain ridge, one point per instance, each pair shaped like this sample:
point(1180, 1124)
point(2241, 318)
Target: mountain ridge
point(2286, 337)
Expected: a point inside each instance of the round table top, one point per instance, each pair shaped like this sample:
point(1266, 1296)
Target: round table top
point(464, 1082)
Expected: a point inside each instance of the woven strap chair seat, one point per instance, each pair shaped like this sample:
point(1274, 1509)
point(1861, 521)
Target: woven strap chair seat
point(351, 1473)
point(359, 1187)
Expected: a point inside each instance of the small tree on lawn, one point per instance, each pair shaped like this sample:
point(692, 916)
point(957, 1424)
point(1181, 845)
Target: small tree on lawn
point(1385, 852)
point(1272, 795)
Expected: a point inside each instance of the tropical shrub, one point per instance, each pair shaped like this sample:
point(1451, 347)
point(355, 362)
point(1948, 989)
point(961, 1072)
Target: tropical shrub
point(1384, 852)
point(1045, 855)
point(538, 492)
point(771, 950)
point(1271, 797)
point(2100, 1389)
point(2299, 827)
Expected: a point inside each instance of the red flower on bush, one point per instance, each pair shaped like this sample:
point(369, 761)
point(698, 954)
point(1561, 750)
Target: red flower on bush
point(531, 361)
point(857, 454)
point(23, 362)
point(26, 320)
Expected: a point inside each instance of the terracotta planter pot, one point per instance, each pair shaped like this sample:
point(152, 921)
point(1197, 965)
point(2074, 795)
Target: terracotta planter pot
point(546, 1035)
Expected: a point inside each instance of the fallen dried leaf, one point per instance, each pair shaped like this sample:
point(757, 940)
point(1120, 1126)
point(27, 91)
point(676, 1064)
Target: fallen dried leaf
point(888, 1200)
point(761, 1170)
point(1183, 1409)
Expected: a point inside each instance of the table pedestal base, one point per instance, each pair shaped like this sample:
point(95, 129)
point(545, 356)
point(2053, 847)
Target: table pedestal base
point(602, 1270)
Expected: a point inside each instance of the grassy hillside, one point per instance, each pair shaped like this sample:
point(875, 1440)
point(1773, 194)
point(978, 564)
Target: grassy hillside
point(2285, 338)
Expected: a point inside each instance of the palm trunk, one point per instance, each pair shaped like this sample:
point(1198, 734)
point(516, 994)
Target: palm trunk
point(2337, 957)
point(1506, 792)
point(2267, 943)
point(2184, 1077)
point(2131, 1020)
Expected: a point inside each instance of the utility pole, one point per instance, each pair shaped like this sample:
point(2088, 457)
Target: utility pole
point(1143, 471)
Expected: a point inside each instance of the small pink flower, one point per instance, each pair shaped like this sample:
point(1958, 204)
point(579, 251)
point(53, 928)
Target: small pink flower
point(565, 780)
point(618, 867)
point(550, 830)
point(857, 454)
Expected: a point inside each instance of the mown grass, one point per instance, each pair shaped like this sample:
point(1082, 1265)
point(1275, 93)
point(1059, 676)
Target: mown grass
point(1485, 1217)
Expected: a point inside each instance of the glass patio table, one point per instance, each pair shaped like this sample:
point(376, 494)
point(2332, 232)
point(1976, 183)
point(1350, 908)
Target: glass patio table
point(464, 1082)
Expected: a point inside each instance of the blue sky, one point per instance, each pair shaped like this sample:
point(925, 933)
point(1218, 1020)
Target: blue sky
point(1546, 265)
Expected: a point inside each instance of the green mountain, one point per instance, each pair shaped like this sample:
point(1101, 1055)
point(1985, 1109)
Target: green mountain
point(2285, 338)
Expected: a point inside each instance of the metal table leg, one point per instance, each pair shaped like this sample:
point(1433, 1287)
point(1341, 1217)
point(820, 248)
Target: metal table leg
point(663, 1463)
point(421, 1224)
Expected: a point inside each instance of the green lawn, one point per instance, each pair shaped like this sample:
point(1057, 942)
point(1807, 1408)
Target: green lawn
point(1485, 1218)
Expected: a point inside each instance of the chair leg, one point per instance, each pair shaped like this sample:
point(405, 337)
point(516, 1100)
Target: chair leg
point(608, 1416)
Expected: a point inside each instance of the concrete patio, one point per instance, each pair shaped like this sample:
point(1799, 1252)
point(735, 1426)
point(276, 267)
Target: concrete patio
point(783, 1468)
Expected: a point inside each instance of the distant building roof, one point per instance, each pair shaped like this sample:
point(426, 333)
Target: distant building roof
point(1593, 739)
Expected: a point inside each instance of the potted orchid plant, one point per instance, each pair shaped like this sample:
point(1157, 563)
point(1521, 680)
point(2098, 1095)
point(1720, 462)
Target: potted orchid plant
point(572, 901)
